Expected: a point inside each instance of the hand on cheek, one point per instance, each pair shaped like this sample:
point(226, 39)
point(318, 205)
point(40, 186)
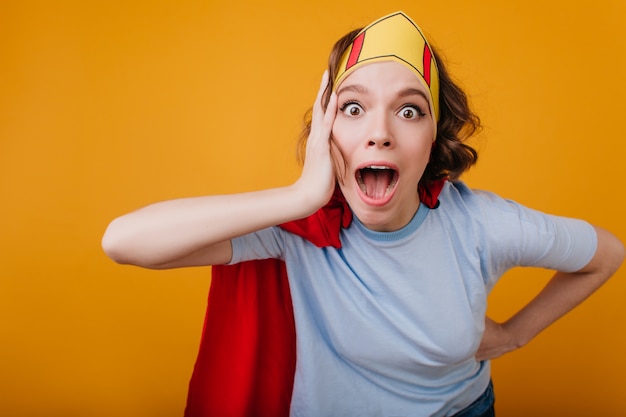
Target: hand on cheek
point(317, 180)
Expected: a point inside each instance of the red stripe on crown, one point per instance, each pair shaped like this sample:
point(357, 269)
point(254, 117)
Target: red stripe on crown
point(357, 45)
point(427, 59)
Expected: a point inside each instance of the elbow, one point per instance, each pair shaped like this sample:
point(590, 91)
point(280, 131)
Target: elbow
point(121, 246)
point(617, 253)
point(113, 251)
point(620, 253)
point(126, 247)
point(114, 245)
point(610, 253)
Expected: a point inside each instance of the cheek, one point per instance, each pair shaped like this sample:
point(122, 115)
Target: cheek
point(348, 133)
point(418, 155)
point(338, 132)
point(420, 143)
point(424, 154)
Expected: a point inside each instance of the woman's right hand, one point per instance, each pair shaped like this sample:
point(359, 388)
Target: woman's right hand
point(317, 181)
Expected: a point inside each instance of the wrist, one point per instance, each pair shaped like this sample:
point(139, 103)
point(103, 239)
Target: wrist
point(307, 199)
point(516, 337)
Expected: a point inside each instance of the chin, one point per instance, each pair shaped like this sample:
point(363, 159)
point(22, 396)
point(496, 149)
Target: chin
point(374, 217)
point(383, 215)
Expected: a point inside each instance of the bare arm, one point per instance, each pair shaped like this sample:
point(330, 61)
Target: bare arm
point(562, 293)
point(197, 231)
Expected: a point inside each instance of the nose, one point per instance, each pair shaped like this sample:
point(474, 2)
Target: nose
point(379, 131)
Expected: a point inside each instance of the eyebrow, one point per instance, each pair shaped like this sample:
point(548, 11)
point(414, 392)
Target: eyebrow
point(412, 92)
point(357, 88)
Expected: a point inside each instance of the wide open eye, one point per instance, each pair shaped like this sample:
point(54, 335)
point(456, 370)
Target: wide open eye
point(351, 109)
point(410, 112)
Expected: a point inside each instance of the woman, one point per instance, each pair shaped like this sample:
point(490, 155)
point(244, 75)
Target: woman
point(390, 318)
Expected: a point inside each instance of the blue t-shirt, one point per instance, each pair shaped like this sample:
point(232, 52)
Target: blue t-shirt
point(388, 325)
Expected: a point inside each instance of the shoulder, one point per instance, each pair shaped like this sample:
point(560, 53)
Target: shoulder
point(458, 199)
point(519, 234)
point(489, 213)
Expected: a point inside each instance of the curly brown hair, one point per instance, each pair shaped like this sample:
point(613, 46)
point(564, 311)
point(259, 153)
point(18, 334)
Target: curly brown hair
point(450, 156)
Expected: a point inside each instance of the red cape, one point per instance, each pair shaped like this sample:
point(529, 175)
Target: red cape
point(247, 356)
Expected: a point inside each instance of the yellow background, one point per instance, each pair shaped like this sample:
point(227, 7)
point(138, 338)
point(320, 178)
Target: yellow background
point(106, 106)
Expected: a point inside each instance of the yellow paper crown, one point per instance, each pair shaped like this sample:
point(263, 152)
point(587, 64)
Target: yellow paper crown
point(394, 38)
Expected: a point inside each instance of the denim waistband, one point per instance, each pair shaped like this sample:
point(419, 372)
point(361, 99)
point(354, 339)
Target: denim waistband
point(482, 407)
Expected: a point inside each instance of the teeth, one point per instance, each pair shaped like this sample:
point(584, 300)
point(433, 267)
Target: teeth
point(377, 167)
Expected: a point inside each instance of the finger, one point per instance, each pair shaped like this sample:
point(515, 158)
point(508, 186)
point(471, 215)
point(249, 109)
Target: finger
point(323, 83)
point(330, 115)
point(318, 112)
point(320, 92)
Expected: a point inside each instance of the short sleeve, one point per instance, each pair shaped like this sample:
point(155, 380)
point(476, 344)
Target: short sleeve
point(558, 243)
point(263, 244)
point(571, 245)
point(516, 235)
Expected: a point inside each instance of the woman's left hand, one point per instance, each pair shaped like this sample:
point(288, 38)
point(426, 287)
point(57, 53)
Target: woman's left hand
point(496, 341)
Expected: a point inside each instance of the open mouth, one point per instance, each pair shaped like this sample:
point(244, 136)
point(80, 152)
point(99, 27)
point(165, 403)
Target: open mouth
point(376, 181)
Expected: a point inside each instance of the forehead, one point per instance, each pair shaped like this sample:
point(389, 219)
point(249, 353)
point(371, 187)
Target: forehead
point(388, 74)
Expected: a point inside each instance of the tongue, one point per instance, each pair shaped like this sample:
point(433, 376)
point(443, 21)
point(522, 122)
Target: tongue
point(376, 182)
